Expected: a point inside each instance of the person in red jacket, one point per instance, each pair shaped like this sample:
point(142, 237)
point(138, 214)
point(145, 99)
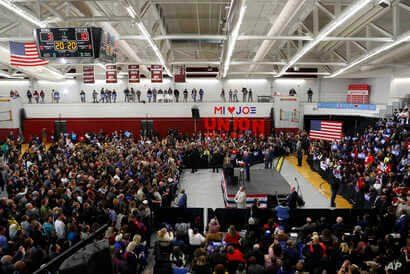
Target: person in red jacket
point(369, 160)
point(232, 237)
point(234, 255)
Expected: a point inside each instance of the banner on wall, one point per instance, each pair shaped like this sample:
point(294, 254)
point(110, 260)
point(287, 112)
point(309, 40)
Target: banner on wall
point(358, 94)
point(88, 75)
point(111, 74)
point(133, 74)
point(156, 73)
point(180, 74)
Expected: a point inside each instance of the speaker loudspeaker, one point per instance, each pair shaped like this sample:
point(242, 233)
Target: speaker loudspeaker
point(60, 126)
point(195, 113)
point(272, 118)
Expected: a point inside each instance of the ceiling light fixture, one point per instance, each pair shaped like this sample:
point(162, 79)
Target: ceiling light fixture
point(154, 47)
point(232, 40)
point(401, 39)
point(131, 12)
point(22, 13)
point(347, 14)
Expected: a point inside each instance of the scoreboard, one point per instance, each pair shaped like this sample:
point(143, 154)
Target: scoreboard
point(65, 42)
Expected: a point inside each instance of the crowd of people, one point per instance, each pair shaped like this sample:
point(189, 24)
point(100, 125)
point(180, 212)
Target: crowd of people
point(371, 169)
point(57, 195)
point(368, 244)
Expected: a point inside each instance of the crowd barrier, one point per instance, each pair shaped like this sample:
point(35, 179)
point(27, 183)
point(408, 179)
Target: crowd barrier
point(193, 216)
point(53, 265)
point(240, 217)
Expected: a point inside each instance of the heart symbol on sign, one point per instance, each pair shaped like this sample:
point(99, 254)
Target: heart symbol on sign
point(231, 109)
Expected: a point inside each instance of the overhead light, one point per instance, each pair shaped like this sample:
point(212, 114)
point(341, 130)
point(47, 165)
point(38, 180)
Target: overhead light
point(131, 12)
point(57, 73)
point(290, 81)
point(22, 13)
point(8, 76)
point(4, 74)
point(101, 65)
point(347, 14)
point(232, 40)
point(401, 39)
point(154, 47)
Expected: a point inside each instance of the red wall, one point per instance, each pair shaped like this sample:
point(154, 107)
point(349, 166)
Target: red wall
point(34, 127)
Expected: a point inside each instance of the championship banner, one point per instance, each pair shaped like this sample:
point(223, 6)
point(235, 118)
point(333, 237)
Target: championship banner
point(133, 74)
point(180, 74)
point(156, 73)
point(88, 75)
point(111, 74)
point(358, 94)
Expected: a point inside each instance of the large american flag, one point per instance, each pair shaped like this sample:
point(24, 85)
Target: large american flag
point(325, 130)
point(25, 55)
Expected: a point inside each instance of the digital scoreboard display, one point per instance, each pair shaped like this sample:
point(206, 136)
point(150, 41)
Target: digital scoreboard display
point(65, 42)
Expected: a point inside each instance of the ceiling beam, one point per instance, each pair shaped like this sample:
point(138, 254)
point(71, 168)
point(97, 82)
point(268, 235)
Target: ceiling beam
point(233, 35)
point(276, 74)
point(223, 38)
point(405, 37)
point(288, 12)
point(250, 62)
point(351, 11)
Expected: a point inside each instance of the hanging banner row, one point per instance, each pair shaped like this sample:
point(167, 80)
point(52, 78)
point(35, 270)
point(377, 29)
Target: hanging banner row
point(111, 74)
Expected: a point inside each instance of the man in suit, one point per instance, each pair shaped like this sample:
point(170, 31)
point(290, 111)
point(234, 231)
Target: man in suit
point(247, 159)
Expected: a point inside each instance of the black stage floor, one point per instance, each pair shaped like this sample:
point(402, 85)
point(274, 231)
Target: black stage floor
point(263, 182)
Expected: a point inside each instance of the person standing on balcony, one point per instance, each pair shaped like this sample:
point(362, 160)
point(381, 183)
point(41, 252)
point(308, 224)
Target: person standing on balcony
point(292, 92)
point(82, 96)
point(193, 94)
point(185, 95)
point(230, 95)
point(138, 95)
point(52, 96)
point(154, 95)
point(56, 96)
point(201, 94)
point(108, 94)
point(36, 96)
point(250, 96)
point(126, 95)
point(310, 95)
point(29, 96)
point(149, 95)
point(114, 96)
point(102, 95)
point(244, 94)
point(42, 96)
point(235, 95)
point(95, 96)
point(132, 95)
point(176, 95)
point(222, 95)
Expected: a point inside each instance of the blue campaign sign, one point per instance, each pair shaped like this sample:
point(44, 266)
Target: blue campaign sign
point(347, 106)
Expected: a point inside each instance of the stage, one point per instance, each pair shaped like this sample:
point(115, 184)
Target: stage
point(263, 182)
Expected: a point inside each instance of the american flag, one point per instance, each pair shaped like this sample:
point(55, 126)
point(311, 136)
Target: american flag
point(25, 55)
point(325, 130)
